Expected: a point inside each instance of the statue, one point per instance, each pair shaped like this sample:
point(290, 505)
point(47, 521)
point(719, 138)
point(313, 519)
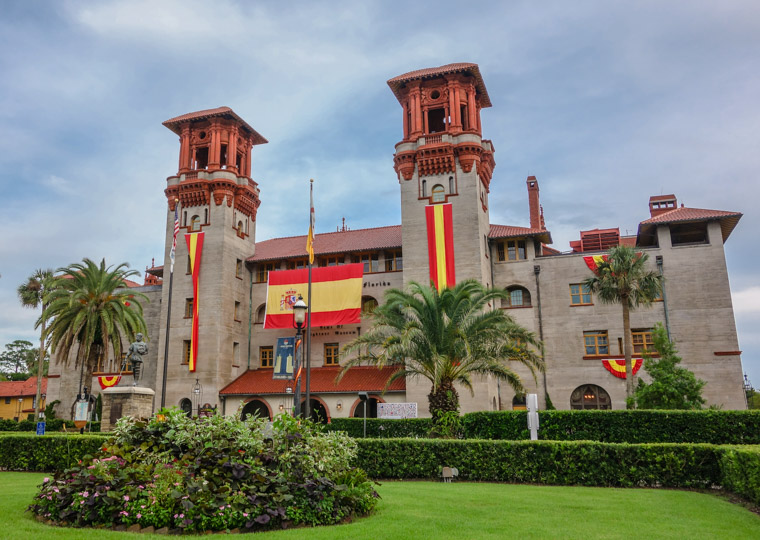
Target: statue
point(134, 354)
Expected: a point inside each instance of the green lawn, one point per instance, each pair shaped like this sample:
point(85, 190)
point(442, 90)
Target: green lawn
point(463, 511)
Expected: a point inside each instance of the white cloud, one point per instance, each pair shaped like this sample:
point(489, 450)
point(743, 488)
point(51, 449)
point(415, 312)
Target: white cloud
point(747, 301)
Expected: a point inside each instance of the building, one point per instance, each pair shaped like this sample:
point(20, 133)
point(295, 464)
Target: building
point(441, 159)
point(18, 398)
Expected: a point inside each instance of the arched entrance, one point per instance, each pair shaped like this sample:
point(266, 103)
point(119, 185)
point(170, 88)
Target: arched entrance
point(519, 403)
point(372, 402)
point(187, 406)
point(256, 407)
point(317, 410)
point(590, 396)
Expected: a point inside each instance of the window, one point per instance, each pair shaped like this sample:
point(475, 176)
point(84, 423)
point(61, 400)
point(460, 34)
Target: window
point(439, 194)
point(237, 311)
point(195, 223)
point(368, 304)
point(580, 295)
point(7, 400)
point(331, 354)
point(642, 340)
point(240, 230)
point(511, 250)
point(239, 269)
point(262, 271)
point(451, 185)
point(596, 342)
point(186, 351)
point(235, 353)
point(334, 260)
point(266, 357)
point(436, 120)
point(369, 260)
point(261, 313)
point(187, 406)
point(518, 297)
point(688, 233)
point(393, 261)
point(189, 265)
point(297, 264)
point(424, 188)
point(519, 403)
point(188, 308)
point(590, 396)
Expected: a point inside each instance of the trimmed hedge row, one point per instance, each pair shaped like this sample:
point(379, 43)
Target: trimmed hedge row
point(740, 472)
point(53, 452)
point(53, 424)
point(637, 426)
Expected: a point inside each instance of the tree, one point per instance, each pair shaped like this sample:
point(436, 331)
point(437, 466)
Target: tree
point(16, 358)
point(672, 386)
point(32, 295)
point(446, 338)
point(623, 279)
point(91, 308)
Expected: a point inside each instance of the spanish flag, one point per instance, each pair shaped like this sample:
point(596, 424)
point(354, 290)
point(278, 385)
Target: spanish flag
point(336, 295)
point(617, 367)
point(310, 237)
point(440, 230)
point(107, 382)
point(593, 261)
point(194, 250)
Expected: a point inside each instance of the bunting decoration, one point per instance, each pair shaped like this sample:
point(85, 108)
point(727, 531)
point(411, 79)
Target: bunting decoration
point(617, 367)
point(440, 231)
point(107, 382)
point(593, 261)
point(336, 295)
point(194, 250)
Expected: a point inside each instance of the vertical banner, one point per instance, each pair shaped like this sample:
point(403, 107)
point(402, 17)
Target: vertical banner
point(440, 231)
point(283, 358)
point(194, 250)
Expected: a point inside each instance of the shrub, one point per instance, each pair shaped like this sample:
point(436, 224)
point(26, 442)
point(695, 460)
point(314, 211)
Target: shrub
point(382, 428)
point(210, 474)
point(54, 452)
point(740, 469)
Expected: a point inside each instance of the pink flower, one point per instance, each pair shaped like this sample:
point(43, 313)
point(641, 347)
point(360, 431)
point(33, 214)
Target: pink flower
point(221, 507)
point(45, 480)
point(139, 515)
point(245, 514)
point(126, 497)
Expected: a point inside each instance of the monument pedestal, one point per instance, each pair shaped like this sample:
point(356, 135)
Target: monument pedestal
point(134, 401)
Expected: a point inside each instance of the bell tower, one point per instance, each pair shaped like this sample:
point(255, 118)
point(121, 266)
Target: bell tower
point(443, 159)
point(218, 200)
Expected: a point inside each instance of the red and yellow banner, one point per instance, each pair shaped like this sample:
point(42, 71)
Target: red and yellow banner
point(336, 295)
point(194, 250)
point(617, 367)
point(440, 230)
point(593, 261)
point(107, 382)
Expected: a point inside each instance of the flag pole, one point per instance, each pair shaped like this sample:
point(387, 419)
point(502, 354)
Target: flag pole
point(307, 410)
point(169, 307)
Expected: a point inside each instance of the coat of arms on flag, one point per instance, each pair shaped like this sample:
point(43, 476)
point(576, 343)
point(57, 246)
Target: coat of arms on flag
point(288, 299)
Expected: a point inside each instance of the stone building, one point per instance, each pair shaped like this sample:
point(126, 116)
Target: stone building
point(441, 159)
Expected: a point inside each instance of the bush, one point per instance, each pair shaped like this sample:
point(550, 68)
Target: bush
point(210, 474)
point(740, 469)
point(544, 462)
point(381, 428)
point(55, 452)
point(51, 425)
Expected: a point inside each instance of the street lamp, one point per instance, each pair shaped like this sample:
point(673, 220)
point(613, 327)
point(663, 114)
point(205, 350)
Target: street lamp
point(299, 317)
point(197, 393)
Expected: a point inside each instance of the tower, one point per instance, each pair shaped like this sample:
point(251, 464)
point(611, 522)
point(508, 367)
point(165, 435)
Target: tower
point(443, 159)
point(218, 199)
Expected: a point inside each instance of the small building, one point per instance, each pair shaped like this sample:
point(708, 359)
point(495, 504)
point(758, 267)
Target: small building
point(18, 398)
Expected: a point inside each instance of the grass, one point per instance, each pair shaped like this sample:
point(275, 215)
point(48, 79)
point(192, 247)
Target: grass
point(464, 510)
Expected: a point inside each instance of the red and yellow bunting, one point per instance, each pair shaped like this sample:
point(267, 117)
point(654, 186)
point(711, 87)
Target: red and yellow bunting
point(617, 367)
point(440, 230)
point(593, 261)
point(107, 382)
point(336, 293)
point(194, 250)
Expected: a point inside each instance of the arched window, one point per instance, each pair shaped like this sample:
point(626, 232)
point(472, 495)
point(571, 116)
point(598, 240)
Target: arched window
point(257, 408)
point(451, 184)
point(590, 396)
point(260, 314)
point(205, 216)
point(371, 408)
point(195, 223)
point(518, 297)
point(439, 194)
point(424, 188)
point(368, 304)
point(317, 411)
point(187, 406)
point(519, 403)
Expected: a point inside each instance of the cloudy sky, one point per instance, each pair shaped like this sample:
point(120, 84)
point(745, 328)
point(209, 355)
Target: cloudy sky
point(605, 102)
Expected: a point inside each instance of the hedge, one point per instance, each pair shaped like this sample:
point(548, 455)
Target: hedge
point(740, 472)
point(637, 426)
point(52, 424)
point(53, 452)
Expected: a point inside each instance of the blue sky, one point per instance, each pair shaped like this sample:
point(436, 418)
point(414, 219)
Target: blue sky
point(606, 103)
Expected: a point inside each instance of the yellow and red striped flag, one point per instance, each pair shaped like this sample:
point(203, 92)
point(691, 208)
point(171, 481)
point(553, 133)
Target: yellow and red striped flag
point(194, 250)
point(310, 237)
point(617, 367)
point(440, 231)
point(336, 295)
point(593, 261)
point(107, 382)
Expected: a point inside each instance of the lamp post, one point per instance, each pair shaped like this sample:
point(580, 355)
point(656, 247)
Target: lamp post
point(299, 316)
point(197, 392)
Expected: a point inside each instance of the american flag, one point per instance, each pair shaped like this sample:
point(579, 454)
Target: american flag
point(176, 230)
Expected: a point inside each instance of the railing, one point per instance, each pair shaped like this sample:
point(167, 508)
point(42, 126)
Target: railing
point(432, 139)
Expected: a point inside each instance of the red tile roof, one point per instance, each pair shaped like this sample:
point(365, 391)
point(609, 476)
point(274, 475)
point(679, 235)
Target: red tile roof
point(175, 123)
point(21, 388)
point(157, 271)
point(396, 83)
point(728, 220)
point(655, 198)
point(510, 231)
point(131, 284)
point(328, 243)
point(357, 379)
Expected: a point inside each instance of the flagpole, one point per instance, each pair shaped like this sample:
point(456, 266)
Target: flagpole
point(169, 307)
point(307, 410)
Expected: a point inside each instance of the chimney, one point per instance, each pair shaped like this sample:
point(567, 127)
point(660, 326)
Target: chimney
point(659, 204)
point(536, 212)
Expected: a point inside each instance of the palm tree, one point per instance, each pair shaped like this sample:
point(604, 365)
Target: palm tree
point(446, 338)
point(91, 307)
point(623, 279)
point(32, 293)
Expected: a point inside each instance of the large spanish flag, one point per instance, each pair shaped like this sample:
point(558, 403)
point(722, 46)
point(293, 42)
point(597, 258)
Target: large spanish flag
point(593, 261)
point(440, 230)
point(336, 295)
point(194, 250)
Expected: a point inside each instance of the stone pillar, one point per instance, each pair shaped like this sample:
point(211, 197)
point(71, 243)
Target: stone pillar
point(471, 109)
point(232, 150)
point(184, 150)
point(121, 401)
point(405, 111)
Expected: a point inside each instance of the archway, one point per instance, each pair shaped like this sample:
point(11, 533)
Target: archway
point(358, 408)
point(187, 406)
point(519, 403)
point(590, 396)
point(256, 407)
point(317, 410)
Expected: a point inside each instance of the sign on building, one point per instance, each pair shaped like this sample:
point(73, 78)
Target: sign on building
point(397, 411)
point(283, 358)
